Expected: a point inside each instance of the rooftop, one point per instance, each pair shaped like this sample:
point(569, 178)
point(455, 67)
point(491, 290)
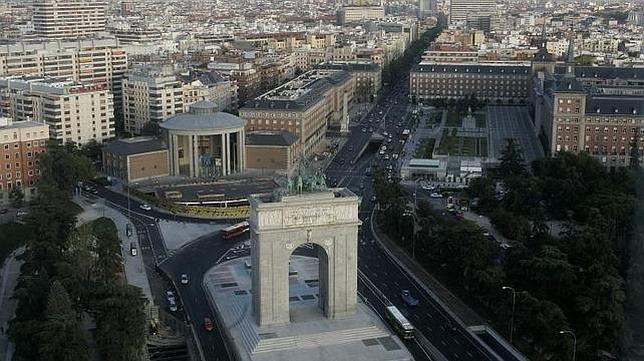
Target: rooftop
point(274, 138)
point(136, 145)
point(301, 92)
point(615, 105)
point(203, 115)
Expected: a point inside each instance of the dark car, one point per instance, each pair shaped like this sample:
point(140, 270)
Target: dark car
point(408, 298)
point(208, 325)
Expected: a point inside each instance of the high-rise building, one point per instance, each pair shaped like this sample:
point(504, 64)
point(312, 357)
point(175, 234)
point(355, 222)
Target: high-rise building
point(75, 112)
point(95, 61)
point(150, 94)
point(459, 9)
point(427, 7)
point(58, 19)
point(20, 143)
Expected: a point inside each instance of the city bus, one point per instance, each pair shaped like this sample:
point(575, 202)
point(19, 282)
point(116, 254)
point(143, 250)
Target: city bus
point(235, 230)
point(403, 327)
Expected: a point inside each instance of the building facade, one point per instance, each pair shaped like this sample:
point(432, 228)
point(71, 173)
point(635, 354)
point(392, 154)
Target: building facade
point(272, 150)
point(75, 112)
point(20, 144)
point(58, 19)
point(150, 94)
point(96, 61)
point(495, 82)
point(305, 106)
point(459, 9)
point(205, 143)
point(135, 159)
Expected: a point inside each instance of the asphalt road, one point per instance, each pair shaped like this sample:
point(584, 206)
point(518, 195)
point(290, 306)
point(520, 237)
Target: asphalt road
point(382, 279)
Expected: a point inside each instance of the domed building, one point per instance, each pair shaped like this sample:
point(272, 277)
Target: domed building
point(205, 142)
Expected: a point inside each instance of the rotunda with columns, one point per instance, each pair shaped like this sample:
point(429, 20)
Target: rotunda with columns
point(204, 142)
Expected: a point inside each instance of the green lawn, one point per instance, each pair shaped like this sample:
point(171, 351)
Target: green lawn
point(12, 236)
point(463, 146)
point(481, 121)
point(425, 149)
point(455, 119)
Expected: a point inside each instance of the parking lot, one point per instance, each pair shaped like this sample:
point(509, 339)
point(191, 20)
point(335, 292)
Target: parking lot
point(513, 122)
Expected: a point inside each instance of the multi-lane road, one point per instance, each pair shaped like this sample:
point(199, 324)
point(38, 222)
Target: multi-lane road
point(381, 279)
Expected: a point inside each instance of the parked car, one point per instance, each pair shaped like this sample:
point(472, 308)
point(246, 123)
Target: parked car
point(4, 210)
point(436, 195)
point(408, 298)
point(21, 213)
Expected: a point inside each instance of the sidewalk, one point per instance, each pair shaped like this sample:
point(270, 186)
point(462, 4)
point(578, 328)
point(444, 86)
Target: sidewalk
point(431, 284)
point(132, 265)
point(8, 279)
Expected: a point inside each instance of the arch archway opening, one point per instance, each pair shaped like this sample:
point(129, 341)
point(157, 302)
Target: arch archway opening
point(308, 283)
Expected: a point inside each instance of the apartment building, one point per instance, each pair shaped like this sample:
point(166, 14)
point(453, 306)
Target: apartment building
point(305, 106)
point(75, 112)
point(356, 14)
point(212, 86)
point(20, 143)
point(95, 61)
point(498, 82)
point(59, 19)
point(459, 9)
point(366, 75)
point(450, 53)
point(151, 93)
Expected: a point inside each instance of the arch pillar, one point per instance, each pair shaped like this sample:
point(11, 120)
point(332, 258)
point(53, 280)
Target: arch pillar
point(325, 218)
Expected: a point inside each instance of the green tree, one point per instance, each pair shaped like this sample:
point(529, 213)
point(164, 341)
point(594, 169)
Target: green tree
point(120, 322)
point(512, 164)
point(17, 196)
point(64, 166)
point(107, 250)
point(61, 338)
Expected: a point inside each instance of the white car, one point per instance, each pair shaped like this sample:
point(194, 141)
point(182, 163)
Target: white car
point(170, 296)
point(382, 152)
point(386, 156)
point(184, 279)
point(145, 207)
point(436, 195)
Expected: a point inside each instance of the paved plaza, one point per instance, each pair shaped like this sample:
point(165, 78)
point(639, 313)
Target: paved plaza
point(512, 122)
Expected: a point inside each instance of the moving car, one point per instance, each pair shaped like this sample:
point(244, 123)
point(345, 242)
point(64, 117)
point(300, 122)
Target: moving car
point(21, 213)
point(170, 296)
point(184, 279)
point(408, 298)
point(173, 306)
point(208, 325)
point(436, 195)
point(133, 250)
point(145, 207)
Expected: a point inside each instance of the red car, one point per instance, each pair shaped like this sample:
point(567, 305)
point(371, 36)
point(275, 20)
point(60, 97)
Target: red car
point(207, 324)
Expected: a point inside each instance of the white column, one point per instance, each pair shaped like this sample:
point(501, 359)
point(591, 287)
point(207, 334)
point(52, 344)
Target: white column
point(191, 155)
point(195, 154)
point(243, 142)
point(240, 152)
point(223, 155)
point(174, 155)
point(227, 153)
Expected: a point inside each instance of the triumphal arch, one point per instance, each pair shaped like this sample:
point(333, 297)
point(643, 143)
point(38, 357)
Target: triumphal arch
point(319, 216)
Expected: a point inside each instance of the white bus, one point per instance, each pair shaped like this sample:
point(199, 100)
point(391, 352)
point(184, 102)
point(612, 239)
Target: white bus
point(403, 327)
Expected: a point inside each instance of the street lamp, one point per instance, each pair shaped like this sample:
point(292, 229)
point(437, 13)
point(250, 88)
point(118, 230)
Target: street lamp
point(514, 294)
point(574, 342)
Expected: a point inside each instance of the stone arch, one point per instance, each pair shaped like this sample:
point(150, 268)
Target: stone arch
point(321, 253)
point(328, 219)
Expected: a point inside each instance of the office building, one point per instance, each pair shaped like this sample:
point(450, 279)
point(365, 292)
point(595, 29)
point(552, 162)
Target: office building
point(59, 19)
point(427, 7)
point(367, 77)
point(276, 151)
point(20, 143)
point(459, 9)
point(75, 112)
point(305, 106)
point(494, 82)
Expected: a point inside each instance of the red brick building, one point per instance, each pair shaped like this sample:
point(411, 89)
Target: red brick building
point(20, 143)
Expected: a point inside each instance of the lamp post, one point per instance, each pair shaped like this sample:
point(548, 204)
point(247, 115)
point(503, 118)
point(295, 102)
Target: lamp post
point(514, 294)
point(574, 342)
